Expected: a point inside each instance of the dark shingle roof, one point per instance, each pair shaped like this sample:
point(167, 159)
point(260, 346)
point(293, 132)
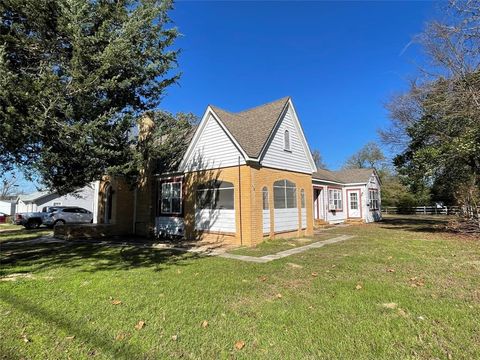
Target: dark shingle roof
point(347, 176)
point(251, 128)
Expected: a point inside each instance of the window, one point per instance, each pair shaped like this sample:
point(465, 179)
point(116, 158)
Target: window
point(335, 199)
point(171, 198)
point(215, 195)
point(373, 199)
point(286, 140)
point(284, 194)
point(265, 198)
point(354, 201)
point(302, 198)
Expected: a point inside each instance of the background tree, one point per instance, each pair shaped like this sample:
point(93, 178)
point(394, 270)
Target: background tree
point(318, 159)
point(438, 119)
point(74, 77)
point(8, 187)
point(369, 156)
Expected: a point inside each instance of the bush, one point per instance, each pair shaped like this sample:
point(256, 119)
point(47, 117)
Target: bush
point(407, 204)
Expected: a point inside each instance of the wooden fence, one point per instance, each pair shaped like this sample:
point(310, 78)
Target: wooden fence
point(422, 210)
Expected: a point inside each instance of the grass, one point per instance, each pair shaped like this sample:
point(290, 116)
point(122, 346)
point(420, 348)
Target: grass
point(21, 233)
point(418, 297)
point(8, 226)
point(272, 246)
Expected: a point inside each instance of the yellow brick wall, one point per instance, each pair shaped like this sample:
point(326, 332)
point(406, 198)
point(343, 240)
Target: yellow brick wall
point(266, 177)
point(122, 204)
point(248, 202)
point(248, 182)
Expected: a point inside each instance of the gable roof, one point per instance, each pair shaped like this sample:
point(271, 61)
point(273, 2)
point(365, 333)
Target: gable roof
point(252, 128)
point(33, 196)
point(346, 176)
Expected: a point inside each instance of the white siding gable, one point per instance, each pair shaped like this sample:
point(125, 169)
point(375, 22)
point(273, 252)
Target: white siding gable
point(213, 149)
point(277, 157)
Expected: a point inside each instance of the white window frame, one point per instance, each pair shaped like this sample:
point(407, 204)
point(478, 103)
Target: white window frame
point(355, 201)
point(335, 197)
point(373, 199)
point(286, 141)
point(283, 187)
point(216, 193)
point(162, 192)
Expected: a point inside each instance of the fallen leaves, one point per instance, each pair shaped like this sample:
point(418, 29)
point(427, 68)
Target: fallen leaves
point(358, 287)
point(116, 302)
point(278, 296)
point(204, 324)
point(121, 336)
point(239, 345)
point(140, 325)
point(390, 305)
point(294, 266)
point(70, 337)
point(416, 282)
point(263, 278)
point(25, 338)
point(174, 337)
point(391, 270)
point(314, 274)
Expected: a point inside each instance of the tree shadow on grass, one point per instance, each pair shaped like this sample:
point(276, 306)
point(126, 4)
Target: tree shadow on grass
point(93, 338)
point(415, 223)
point(88, 257)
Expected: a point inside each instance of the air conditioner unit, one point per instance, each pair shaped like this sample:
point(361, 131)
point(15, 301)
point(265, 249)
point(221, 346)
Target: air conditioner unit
point(331, 207)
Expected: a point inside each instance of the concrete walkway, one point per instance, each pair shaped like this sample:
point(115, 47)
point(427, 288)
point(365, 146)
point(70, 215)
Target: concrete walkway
point(283, 254)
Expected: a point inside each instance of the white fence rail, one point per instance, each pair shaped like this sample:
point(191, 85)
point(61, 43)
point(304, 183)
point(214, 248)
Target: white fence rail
point(422, 210)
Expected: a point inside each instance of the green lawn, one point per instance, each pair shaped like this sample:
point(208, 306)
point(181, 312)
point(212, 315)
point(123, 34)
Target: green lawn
point(270, 246)
point(20, 233)
point(400, 289)
point(8, 226)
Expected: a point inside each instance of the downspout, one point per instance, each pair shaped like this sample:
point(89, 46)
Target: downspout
point(240, 202)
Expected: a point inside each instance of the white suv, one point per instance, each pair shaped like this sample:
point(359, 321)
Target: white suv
point(68, 215)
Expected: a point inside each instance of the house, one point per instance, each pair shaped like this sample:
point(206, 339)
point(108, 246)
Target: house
point(244, 177)
point(7, 207)
point(36, 201)
point(346, 195)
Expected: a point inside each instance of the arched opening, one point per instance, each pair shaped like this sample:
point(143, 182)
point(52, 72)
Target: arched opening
point(108, 204)
point(285, 205)
point(266, 211)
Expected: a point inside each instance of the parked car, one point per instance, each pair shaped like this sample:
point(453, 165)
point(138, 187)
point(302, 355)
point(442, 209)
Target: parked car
point(3, 218)
point(62, 215)
point(30, 220)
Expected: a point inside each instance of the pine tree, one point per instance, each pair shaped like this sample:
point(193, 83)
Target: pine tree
point(74, 77)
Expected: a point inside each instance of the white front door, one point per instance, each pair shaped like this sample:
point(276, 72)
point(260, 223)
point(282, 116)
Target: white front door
point(354, 204)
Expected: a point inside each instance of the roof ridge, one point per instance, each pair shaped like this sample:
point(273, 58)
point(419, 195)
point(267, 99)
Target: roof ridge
point(285, 98)
point(219, 108)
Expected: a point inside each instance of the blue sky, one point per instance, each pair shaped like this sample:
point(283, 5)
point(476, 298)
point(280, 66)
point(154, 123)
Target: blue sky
point(339, 61)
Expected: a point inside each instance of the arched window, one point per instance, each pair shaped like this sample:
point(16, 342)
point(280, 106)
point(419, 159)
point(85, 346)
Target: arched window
point(302, 198)
point(286, 140)
point(265, 198)
point(215, 195)
point(284, 194)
